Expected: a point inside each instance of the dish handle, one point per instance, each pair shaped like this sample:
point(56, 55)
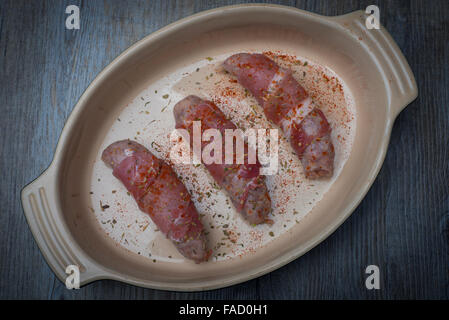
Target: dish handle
point(394, 68)
point(51, 234)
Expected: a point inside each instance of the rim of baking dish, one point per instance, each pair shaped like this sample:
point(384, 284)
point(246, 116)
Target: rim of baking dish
point(80, 106)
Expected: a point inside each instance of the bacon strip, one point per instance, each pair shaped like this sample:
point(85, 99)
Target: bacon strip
point(159, 193)
point(287, 104)
point(243, 182)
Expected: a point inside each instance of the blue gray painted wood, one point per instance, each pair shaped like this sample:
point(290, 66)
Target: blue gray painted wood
point(402, 225)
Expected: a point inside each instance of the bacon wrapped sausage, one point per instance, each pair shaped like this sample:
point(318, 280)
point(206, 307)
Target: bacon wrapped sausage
point(287, 104)
point(243, 182)
point(159, 193)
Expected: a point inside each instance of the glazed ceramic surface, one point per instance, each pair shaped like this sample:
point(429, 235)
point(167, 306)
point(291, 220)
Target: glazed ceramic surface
point(368, 83)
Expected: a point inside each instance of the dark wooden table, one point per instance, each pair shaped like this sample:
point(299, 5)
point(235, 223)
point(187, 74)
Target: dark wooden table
point(402, 225)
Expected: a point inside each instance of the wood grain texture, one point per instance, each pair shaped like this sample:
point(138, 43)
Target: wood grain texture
point(402, 225)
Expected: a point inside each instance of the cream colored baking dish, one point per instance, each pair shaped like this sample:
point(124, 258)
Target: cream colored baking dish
point(369, 62)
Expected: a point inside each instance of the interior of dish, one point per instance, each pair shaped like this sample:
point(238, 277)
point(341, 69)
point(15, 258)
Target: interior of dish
point(169, 66)
point(149, 120)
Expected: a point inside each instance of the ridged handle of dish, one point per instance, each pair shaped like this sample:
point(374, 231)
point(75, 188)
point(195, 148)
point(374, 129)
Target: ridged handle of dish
point(398, 77)
point(50, 232)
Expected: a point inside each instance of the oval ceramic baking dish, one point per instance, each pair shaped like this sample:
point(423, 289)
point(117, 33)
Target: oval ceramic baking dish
point(368, 61)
